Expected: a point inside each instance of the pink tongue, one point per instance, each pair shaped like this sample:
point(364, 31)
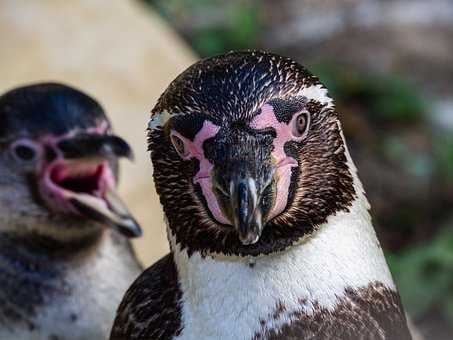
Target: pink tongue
point(62, 171)
point(90, 179)
point(58, 173)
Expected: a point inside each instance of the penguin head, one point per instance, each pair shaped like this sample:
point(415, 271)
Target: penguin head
point(58, 164)
point(248, 155)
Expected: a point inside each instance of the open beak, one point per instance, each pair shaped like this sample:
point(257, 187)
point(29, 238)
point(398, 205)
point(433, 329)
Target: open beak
point(81, 181)
point(110, 209)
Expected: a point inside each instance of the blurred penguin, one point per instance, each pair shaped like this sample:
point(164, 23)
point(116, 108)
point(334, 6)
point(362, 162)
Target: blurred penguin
point(65, 257)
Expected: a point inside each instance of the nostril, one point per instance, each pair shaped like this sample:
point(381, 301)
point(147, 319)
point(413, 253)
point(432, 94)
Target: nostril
point(221, 190)
point(268, 183)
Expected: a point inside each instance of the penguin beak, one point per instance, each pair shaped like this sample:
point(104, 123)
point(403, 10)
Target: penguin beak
point(247, 214)
point(110, 210)
point(243, 178)
point(81, 181)
point(95, 146)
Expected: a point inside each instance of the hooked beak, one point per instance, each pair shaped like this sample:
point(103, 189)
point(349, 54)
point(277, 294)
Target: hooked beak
point(110, 210)
point(247, 214)
point(81, 181)
point(95, 146)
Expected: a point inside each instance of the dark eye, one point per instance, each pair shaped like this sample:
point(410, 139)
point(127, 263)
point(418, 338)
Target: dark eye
point(300, 124)
point(180, 146)
point(24, 151)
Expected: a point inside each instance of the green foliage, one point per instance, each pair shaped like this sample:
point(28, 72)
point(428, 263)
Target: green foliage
point(418, 164)
point(387, 98)
point(239, 34)
point(220, 26)
point(444, 151)
point(424, 275)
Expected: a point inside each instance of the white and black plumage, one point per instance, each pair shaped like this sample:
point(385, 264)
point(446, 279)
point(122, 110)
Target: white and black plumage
point(63, 270)
point(268, 223)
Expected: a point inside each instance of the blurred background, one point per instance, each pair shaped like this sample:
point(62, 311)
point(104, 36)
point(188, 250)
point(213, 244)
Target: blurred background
point(388, 64)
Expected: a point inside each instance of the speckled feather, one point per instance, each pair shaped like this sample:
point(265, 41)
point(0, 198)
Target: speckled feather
point(367, 313)
point(150, 308)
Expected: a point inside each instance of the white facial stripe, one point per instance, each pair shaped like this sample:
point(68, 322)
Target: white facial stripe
point(160, 119)
point(316, 92)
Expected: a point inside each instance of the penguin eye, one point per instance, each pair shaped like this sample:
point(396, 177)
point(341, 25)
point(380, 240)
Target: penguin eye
point(300, 124)
point(180, 146)
point(25, 151)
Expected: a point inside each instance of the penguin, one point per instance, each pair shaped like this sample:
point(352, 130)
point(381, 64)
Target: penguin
point(65, 257)
point(268, 224)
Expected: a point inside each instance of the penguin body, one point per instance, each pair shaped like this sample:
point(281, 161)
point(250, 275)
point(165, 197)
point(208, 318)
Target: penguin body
point(64, 260)
point(269, 227)
point(295, 294)
point(50, 298)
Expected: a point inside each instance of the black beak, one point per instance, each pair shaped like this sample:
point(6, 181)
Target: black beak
point(115, 213)
point(242, 180)
point(247, 214)
point(104, 205)
point(95, 146)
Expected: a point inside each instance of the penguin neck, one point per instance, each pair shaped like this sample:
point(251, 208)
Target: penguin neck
point(35, 248)
point(342, 254)
point(37, 264)
point(344, 251)
point(39, 286)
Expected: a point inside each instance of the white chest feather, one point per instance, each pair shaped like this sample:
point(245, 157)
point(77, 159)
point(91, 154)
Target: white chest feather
point(86, 308)
point(225, 298)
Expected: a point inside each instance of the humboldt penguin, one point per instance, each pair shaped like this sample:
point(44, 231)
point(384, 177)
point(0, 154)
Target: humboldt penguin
point(65, 257)
point(268, 223)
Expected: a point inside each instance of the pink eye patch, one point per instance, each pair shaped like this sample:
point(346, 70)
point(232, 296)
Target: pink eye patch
point(194, 149)
point(284, 132)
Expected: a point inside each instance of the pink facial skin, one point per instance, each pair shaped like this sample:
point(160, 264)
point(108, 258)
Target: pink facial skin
point(284, 163)
point(203, 177)
point(58, 170)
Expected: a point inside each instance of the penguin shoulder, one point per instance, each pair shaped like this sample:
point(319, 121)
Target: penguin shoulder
point(151, 307)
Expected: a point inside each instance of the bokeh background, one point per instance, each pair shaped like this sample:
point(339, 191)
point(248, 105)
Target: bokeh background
point(387, 63)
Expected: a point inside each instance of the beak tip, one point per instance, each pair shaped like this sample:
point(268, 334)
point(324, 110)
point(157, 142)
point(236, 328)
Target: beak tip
point(130, 155)
point(249, 238)
point(131, 229)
